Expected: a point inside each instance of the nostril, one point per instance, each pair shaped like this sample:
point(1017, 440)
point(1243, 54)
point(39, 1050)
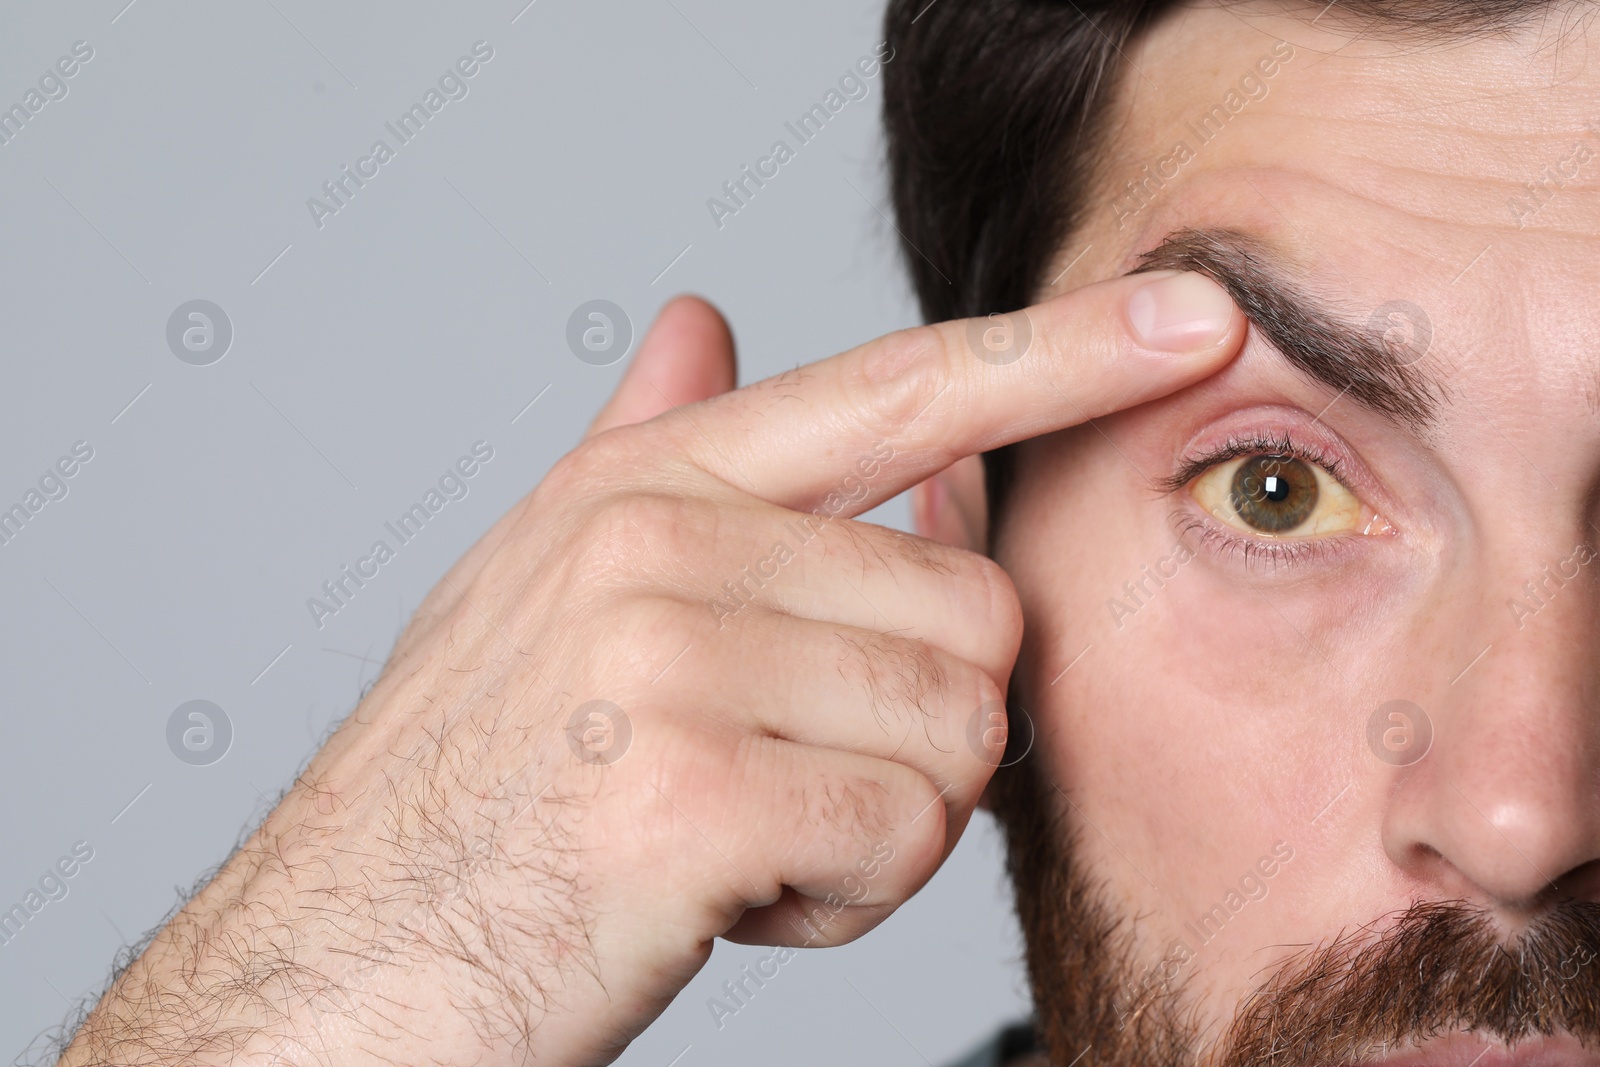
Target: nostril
point(1514, 845)
point(1581, 883)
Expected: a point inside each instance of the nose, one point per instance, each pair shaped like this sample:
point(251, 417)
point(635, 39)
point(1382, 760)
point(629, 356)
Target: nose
point(1504, 808)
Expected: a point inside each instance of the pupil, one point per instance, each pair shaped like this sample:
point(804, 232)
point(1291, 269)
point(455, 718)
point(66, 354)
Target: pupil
point(1274, 494)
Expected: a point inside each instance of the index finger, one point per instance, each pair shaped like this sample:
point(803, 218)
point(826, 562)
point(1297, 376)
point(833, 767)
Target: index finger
point(933, 394)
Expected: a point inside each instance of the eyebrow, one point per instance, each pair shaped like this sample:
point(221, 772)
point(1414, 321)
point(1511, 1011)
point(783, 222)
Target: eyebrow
point(1354, 358)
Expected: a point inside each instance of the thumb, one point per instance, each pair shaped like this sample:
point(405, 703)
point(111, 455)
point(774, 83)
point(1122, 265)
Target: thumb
point(686, 356)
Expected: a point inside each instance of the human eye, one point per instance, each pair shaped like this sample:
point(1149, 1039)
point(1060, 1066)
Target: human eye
point(1277, 495)
point(1274, 497)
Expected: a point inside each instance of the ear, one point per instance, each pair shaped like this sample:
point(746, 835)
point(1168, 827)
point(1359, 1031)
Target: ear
point(951, 507)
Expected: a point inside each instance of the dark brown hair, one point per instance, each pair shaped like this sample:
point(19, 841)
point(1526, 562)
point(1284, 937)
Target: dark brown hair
point(994, 111)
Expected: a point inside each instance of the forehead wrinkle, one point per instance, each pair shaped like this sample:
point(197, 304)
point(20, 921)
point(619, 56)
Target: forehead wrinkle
point(1353, 359)
point(1472, 115)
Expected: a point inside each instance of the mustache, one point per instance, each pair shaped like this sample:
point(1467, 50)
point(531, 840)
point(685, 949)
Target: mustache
point(1442, 967)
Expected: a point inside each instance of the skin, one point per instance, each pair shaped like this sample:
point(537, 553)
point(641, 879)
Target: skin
point(468, 869)
point(510, 899)
point(1229, 712)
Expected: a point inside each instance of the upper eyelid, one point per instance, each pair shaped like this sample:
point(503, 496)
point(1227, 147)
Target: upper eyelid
point(1282, 444)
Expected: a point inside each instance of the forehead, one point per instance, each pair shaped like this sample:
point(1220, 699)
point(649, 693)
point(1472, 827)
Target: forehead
point(1459, 175)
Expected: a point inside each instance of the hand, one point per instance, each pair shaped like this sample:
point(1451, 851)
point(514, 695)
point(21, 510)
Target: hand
point(677, 693)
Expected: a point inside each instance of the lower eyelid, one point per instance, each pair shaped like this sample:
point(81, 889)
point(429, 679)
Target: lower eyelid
point(1208, 535)
point(1205, 538)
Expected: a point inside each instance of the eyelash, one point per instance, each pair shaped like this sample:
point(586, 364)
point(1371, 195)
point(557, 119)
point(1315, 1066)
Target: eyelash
point(1191, 467)
point(1251, 550)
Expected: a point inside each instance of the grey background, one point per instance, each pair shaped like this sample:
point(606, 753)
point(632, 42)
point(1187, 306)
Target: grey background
point(367, 356)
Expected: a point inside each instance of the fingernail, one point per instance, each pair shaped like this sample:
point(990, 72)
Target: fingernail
point(1179, 312)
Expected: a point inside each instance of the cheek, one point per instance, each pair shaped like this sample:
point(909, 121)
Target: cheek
point(1196, 725)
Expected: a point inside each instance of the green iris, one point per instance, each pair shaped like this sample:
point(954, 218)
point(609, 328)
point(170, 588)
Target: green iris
point(1274, 494)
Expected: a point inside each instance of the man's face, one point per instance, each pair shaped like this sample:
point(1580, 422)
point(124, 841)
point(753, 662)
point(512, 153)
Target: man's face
point(1298, 663)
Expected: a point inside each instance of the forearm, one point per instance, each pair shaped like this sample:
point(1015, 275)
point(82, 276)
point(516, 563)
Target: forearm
point(361, 919)
point(272, 962)
point(220, 981)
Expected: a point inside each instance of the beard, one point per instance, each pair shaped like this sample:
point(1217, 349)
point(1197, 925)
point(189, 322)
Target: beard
point(1436, 968)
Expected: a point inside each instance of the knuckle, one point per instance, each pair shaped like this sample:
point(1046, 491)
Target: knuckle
point(852, 810)
point(909, 849)
point(661, 630)
point(678, 763)
point(608, 460)
point(1002, 608)
point(827, 925)
point(624, 636)
point(902, 678)
point(603, 551)
point(905, 375)
point(599, 456)
point(888, 833)
point(683, 792)
point(921, 553)
point(985, 690)
point(593, 463)
point(853, 544)
point(626, 535)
